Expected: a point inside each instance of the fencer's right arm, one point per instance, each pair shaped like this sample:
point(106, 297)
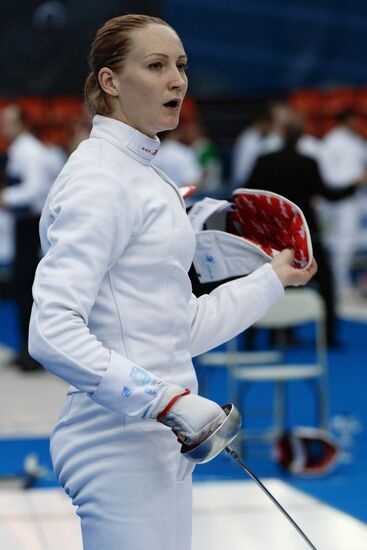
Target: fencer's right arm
point(86, 234)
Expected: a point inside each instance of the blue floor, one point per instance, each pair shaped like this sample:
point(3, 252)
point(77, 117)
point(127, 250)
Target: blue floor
point(344, 488)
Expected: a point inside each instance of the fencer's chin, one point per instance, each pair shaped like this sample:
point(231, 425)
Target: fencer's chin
point(167, 128)
point(174, 123)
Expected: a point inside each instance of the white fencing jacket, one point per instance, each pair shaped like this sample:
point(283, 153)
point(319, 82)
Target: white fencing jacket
point(113, 312)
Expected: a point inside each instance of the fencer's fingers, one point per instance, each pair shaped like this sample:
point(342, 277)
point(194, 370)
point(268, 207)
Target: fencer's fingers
point(180, 438)
point(290, 275)
point(300, 277)
point(287, 255)
point(283, 258)
point(307, 274)
point(313, 267)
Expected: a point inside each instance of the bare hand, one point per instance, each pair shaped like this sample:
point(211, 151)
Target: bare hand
point(289, 275)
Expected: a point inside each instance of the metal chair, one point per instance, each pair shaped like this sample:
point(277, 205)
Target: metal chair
point(299, 306)
point(230, 359)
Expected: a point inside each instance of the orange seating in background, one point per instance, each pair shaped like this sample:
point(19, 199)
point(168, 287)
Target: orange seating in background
point(35, 109)
point(307, 102)
point(362, 126)
point(312, 126)
point(326, 124)
point(55, 135)
point(337, 100)
point(51, 119)
point(54, 119)
point(361, 101)
point(320, 107)
point(58, 110)
point(3, 144)
point(65, 109)
point(63, 113)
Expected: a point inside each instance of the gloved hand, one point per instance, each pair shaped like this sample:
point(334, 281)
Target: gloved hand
point(191, 417)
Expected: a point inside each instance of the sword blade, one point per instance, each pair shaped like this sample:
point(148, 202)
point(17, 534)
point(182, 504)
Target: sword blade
point(237, 458)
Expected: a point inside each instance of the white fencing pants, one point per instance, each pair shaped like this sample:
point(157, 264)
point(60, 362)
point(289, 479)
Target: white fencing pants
point(346, 227)
point(127, 478)
point(343, 221)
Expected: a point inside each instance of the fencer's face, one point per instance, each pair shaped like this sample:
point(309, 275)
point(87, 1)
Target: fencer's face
point(153, 82)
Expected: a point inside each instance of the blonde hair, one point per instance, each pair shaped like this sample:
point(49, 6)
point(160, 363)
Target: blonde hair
point(109, 49)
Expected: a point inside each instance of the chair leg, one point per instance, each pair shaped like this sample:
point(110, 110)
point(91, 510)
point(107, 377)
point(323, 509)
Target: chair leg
point(321, 405)
point(239, 395)
point(279, 407)
point(202, 376)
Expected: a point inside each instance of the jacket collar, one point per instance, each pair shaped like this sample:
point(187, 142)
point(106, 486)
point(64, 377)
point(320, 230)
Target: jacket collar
point(128, 139)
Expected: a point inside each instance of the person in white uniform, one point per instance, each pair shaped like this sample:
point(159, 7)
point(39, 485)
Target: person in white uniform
point(114, 313)
point(343, 159)
point(178, 161)
point(255, 140)
point(28, 179)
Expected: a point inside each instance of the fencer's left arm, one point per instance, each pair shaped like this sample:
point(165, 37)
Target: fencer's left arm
point(232, 307)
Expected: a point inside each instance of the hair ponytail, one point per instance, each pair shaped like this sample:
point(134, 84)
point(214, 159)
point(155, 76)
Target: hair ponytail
point(95, 98)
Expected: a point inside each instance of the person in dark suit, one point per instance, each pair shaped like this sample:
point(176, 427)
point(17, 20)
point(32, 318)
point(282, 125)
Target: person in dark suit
point(297, 177)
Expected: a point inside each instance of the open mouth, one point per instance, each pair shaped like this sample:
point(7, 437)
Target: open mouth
point(173, 104)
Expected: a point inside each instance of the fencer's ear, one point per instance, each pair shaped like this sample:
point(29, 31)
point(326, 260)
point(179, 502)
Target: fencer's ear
point(107, 81)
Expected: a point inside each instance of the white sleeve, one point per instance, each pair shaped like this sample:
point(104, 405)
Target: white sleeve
point(32, 189)
point(231, 308)
point(192, 171)
point(245, 152)
point(93, 221)
point(179, 164)
point(328, 159)
point(338, 164)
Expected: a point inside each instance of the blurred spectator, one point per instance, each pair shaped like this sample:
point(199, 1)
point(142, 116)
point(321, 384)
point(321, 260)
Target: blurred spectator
point(194, 135)
point(343, 159)
point(29, 171)
point(6, 233)
point(310, 146)
point(297, 177)
point(55, 159)
point(307, 144)
point(258, 138)
point(188, 155)
point(178, 160)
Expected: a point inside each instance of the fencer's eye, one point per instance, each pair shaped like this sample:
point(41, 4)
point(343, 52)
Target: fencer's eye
point(182, 67)
point(156, 66)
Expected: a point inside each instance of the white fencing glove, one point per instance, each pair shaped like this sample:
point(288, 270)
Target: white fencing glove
point(191, 417)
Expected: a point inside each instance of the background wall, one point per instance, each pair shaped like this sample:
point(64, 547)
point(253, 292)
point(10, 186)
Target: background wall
point(247, 47)
point(236, 47)
point(44, 44)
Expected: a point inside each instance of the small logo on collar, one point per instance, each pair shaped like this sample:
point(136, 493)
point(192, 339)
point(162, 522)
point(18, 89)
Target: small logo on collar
point(152, 152)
